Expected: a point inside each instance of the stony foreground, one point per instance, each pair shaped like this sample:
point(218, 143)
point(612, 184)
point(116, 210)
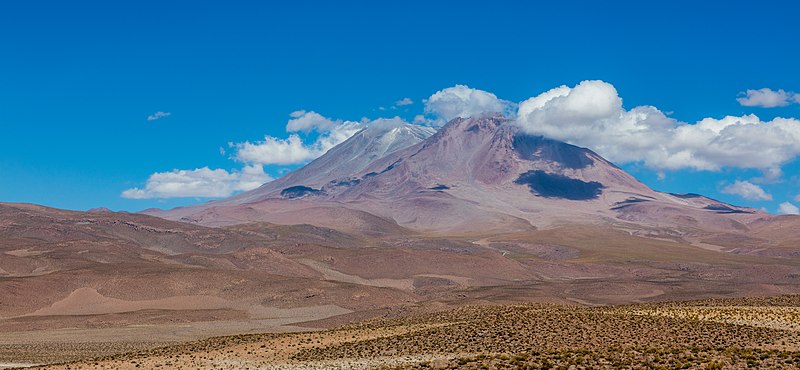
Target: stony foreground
point(710, 334)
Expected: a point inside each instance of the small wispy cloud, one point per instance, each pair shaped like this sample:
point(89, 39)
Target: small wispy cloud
point(747, 190)
point(767, 98)
point(403, 101)
point(158, 115)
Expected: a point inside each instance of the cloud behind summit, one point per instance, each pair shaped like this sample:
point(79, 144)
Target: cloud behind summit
point(590, 114)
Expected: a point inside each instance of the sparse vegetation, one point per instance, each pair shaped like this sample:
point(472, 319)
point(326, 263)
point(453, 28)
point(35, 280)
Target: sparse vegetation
point(709, 334)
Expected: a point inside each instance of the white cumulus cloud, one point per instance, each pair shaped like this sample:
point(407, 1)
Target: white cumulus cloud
point(463, 101)
point(273, 150)
point(309, 121)
point(787, 208)
point(767, 98)
point(591, 114)
point(202, 182)
point(158, 115)
point(293, 150)
point(296, 149)
point(747, 190)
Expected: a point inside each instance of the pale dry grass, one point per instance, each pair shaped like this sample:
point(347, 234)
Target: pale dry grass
point(711, 334)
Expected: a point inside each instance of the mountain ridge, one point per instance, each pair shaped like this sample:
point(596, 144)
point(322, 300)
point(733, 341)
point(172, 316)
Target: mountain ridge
point(475, 214)
point(473, 173)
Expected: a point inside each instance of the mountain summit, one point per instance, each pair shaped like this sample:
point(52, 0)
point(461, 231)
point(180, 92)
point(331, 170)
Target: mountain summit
point(481, 174)
point(340, 163)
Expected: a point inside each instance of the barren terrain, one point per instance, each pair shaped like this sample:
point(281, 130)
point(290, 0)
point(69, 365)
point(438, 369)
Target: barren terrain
point(82, 284)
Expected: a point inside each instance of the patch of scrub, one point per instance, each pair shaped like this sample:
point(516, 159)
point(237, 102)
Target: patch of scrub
point(549, 185)
point(539, 148)
point(299, 191)
point(686, 196)
point(345, 182)
point(723, 209)
point(460, 280)
point(627, 203)
point(391, 166)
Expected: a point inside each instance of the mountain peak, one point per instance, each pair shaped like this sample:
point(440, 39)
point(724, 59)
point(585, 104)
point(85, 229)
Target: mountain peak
point(385, 136)
point(479, 172)
point(395, 126)
point(338, 165)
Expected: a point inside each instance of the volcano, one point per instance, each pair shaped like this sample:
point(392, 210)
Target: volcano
point(395, 219)
point(480, 175)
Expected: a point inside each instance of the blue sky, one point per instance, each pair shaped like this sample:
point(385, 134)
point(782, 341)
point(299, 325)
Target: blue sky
point(78, 80)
